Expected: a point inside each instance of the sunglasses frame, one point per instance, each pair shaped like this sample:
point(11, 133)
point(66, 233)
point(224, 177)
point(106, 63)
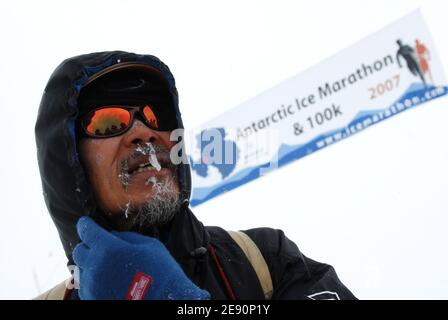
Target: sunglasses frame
point(131, 109)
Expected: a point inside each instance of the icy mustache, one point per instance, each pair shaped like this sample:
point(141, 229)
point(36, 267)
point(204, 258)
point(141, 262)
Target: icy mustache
point(147, 149)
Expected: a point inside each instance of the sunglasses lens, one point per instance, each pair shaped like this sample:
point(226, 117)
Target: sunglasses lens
point(107, 121)
point(150, 117)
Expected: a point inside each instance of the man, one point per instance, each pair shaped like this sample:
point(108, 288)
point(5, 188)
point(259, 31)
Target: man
point(121, 204)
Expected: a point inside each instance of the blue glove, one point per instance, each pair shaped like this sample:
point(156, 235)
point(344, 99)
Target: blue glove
point(127, 265)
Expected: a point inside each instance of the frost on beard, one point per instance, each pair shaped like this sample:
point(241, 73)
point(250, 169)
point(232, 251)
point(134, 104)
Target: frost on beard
point(124, 175)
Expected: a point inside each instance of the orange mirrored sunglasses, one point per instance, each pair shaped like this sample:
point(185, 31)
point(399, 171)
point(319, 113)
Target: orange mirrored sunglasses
point(110, 121)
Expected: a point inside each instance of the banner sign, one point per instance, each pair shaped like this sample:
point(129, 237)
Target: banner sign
point(381, 76)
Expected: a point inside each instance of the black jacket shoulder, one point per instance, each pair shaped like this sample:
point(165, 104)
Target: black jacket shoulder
point(295, 276)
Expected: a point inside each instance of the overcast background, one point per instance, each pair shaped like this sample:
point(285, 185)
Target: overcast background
point(374, 205)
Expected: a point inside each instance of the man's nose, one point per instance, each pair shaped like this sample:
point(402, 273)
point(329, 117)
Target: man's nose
point(138, 134)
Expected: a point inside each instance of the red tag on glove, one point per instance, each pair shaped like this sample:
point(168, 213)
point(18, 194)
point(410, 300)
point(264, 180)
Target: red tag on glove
point(139, 286)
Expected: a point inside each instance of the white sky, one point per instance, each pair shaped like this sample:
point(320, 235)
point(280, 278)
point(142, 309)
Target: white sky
point(374, 205)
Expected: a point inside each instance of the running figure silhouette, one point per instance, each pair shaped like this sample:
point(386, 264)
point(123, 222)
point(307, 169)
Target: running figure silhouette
point(408, 53)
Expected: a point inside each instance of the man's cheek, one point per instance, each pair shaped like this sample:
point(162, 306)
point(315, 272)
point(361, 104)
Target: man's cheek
point(99, 159)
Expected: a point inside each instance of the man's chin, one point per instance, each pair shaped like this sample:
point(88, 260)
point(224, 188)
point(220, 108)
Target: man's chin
point(149, 201)
point(150, 212)
point(145, 218)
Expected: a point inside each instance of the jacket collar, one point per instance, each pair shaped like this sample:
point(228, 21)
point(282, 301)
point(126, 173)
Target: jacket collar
point(187, 237)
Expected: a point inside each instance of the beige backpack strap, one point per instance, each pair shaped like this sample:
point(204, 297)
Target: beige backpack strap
point(255, 257)
point(56, 293)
